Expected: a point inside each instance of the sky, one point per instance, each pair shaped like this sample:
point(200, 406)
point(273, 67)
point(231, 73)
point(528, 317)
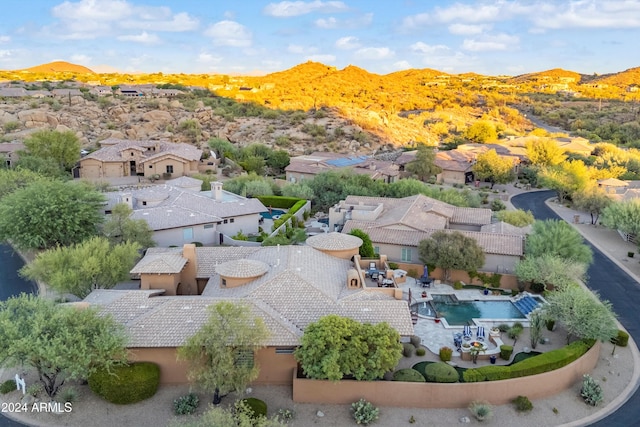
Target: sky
point(382, 36)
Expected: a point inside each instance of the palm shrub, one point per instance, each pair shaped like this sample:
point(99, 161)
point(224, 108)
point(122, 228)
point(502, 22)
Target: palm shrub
point(364, 412)
point(481, 410)
point(591, 391)
point(536, 322)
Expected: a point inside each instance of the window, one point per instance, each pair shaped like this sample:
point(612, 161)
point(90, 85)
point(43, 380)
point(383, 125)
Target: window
point(206, 226)
point(244, 358)
point(187, 234)
point(376, 250)
point(406, 254)
point(169, 168)
point(226, 221)
point(232, 220)
point(150, 166)
point(132, 154)
point(144, 203)
point(224, 283)
point(285, 350)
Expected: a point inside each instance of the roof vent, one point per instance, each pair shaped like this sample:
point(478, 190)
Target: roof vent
point(142, 307)
point(186, 307)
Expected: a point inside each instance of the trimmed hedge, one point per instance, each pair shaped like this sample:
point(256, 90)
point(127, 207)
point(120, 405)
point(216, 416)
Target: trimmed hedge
point(257, 407)
point(440, 372)
point(506, 351)
point(408, 375)
point(284, 218)
point(126, 384)
point(10, 385)
point(407, 349)
point(279, 202)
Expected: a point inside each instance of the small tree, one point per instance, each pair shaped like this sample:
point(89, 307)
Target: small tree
point(549, 269)
point(221, 353)
point(566, 179)
point(423, 166)
point(335, 347)
point(536, 323)
point(518, 218)
point(62, 148)
point(60, 342)
point(79, 269)
point(366, 250)
point(544, 152)
point(120, 228)
point(451, 250)
point(557, 238)
point(624, 216)
point(593, 200)
point(498, 169)
point(481, 131)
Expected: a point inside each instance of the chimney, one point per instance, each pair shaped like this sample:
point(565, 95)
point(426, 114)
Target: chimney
point(127, 198)
point(188, 274)
point(216, 191)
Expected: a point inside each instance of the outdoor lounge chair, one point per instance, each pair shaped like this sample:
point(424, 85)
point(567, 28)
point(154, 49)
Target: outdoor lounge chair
point(466, 332)
point(480, 333)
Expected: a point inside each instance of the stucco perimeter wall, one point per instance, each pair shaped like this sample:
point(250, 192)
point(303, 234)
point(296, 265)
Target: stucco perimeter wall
point(434, 395)
point(507, 281)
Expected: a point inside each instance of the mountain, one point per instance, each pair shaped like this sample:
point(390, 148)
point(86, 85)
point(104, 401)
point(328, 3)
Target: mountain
point(553, 74)
point(59, 67)
point(620, 79)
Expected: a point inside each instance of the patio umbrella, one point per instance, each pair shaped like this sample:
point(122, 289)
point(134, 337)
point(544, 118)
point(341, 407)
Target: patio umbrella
point(425, 272)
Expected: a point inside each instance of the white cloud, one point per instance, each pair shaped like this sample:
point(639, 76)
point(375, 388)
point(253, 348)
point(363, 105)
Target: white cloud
point(347, 43)
point(421, 47)
point(357, 22)
point(287, 9)
point(321, 58)
point(80, 59)
point(207, 58)
point(328, 23)
point(5, 53)
point(229, 33)
point(486, 43)
point(93, 10)
point(467, 30)
point(402, 65)
point(416, 21)
point(592, 14)
point(374, 53)
point(5, 39)
point(298, 49)
point(143, 37)
point(177, 23)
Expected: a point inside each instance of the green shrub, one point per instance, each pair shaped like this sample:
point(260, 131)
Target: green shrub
point(284, 415)
point(393, 266)
point(497, 205)
point(34, 389)
point(503, 327)
point(69, 395)
point(420, 351)
point(522, 404)
point(457, 285)
point(408, 375)
point(550, 323)
point(257, 407)
point(415, 340)
point(441, 372)
point(506, 351)
point(473, 376)
point(126, 384)
point(279, 202)
point(622, 339)
point(591, 391)
point(364, 412)
point(481, 410)
point(538, 288)
point(186, 405)
point(445, 354)
point(408, 349)
point(8, 386)
point(550, 360)
point(198, 244)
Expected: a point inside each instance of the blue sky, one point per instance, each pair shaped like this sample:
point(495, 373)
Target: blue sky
point(381, 36)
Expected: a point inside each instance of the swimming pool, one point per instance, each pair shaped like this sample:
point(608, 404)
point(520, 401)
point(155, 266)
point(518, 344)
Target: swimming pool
point(274, 213)
point(462, 312)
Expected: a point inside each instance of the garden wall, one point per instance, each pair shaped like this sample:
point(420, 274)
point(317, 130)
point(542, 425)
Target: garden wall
point(435, 395)
point(507, 281)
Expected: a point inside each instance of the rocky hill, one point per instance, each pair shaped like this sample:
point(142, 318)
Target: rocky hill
point(59, 67)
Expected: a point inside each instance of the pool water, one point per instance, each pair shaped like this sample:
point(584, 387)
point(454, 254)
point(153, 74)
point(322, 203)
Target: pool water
point(274, 212)
point(461, 313)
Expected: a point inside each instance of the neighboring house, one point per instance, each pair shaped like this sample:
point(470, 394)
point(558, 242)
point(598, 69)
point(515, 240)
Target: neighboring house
point(13, 92)
point(66, 92)
point(101, 90)
point(289, 287)
point(308, 166)
point(119, 157)
point(178, 212)
point(396, 227)
point(577, 145)
point(9, 151)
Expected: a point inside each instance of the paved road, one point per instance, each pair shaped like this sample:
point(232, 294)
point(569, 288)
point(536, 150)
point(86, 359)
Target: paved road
point(613, 284)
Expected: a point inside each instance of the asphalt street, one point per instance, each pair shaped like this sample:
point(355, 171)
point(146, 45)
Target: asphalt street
point(613, 284)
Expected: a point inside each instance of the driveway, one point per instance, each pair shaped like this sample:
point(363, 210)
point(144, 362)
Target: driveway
point(613, 284)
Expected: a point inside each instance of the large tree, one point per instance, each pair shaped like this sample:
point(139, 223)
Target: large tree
point(62, 148)
point(335, 347)
point(581, 313)
point(51, 213)
point(518, 217)
point(557, 238)
point(481, 131)
point(221, 354)
point(593, 200)
point(81, 268)
point(423, 166)
point(60, 342)
point(495, 168)
point(544, 152)
point(15, 179)
point(549, 269)
point(366, 250)
point(451, 251)
point(623, 216)
point(120, 228)
point(566, 179)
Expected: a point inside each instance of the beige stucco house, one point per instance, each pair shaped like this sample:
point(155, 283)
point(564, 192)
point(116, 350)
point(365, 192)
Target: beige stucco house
point(396, 227)
point(289, 287)
point(308, 166)
point(118, 157)
point(9, 151)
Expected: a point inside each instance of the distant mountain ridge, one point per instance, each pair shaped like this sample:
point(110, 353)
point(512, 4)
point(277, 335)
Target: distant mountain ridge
point(59, 67)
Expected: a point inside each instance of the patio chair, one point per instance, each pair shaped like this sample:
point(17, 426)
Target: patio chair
point(480, 333)
point(466, 332)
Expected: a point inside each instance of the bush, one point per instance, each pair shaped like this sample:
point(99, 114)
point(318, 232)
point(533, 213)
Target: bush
point(7, 386)
point(408, 375)
point(457, 285)
point(441, 372)
point(481, 410)
point(445, 354)
point(503, 327)
point(69, 395)
point(257, 407)
point(591, 391)
point(415, 340)
point(622, 339)
point(538, 288)
point(198, 244)
point(186, 405)
point(284, 415)
point(550, 323)
point(522, 404)
point(506, 351)
point(126, 384)
point(497, 205)
point(408, 349)
point(34, 389)
point(420, 351)
point(393, 266)
point(279, 202)
point(364, 412)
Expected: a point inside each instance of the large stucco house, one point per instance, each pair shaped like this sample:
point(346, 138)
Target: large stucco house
point(118, 157)
point(396, 227)
point(289, 287)
point(308, 166)
point(178, 212)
